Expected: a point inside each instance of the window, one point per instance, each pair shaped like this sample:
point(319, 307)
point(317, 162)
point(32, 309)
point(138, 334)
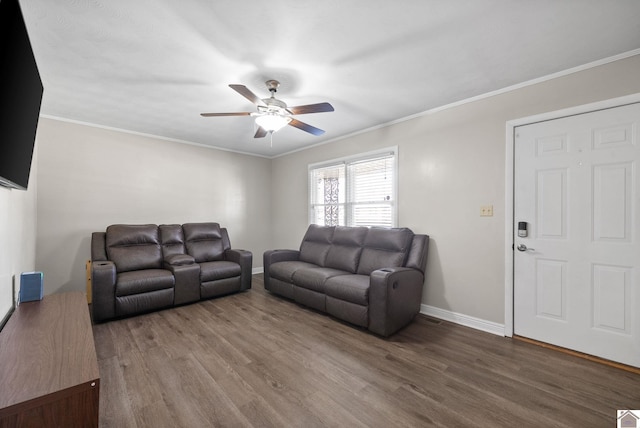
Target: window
point(354, 191)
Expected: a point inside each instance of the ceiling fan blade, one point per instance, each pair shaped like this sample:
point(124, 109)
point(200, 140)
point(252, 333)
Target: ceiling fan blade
point(260, 133)
point(242, 113)
point(306, 127)
point(246, 92)
point(311, 108)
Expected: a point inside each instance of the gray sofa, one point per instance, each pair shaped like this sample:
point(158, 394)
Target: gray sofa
point(141, 268)
point(370, 277)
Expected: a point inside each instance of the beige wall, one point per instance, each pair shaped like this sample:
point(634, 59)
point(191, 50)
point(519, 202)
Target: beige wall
point(90, 178)
point(17, 238)
point(450, 163)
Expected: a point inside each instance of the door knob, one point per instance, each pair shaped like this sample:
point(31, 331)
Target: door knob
point(523, 247)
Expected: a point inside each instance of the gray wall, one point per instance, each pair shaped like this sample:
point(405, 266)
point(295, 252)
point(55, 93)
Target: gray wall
point(450, 163)
point(91, 177)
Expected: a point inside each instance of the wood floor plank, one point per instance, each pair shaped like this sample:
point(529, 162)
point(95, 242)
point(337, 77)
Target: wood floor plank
point(143, 386)
point(526, 399)
point(102, 335)
point(115, 408)
point(192, 397)
point(279, 396)
point(254, 359)
point(251, 403)
point(260, 414)
point(334, 413)
point(156, 414)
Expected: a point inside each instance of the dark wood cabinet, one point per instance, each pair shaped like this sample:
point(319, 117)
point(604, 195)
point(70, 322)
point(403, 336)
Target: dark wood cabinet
point(48, 366)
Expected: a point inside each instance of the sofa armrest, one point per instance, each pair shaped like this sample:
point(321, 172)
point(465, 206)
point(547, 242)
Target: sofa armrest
point(98, 246)
point(395, 296)
point(245, 259)
point(177, 260)
point(274, 256)
point(187, 279)
point(103, 290)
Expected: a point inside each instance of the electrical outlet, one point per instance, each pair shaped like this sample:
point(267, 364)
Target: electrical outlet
point(486, 211)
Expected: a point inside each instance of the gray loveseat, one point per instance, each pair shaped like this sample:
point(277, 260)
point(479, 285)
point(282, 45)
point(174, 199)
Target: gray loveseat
point(141, 268)
point(371, 277)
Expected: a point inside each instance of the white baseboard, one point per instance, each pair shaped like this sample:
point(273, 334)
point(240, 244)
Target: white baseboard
point(257, 270)
point(466, 320)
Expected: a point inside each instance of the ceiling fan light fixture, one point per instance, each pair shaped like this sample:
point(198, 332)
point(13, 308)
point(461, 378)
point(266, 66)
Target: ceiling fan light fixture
point(273, 114)
point(272, 122)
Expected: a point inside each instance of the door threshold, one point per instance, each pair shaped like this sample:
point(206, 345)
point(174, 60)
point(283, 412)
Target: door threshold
point(582, 355)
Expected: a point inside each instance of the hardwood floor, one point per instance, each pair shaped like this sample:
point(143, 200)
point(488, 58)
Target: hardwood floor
point(257, 360)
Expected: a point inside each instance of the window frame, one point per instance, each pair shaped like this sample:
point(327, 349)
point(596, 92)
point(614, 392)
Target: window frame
point(345, 161)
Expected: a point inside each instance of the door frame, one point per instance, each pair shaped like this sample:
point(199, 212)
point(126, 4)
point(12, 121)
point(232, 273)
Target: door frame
point(509, 189)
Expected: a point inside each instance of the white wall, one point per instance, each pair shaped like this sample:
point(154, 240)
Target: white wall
point(450, 163)
point(17, 238)
point(91, 177)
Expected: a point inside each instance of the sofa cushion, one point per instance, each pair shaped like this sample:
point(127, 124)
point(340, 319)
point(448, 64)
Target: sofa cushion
point(212, 271)
point(351, 288)
point(143, 281)
point(347, 311)
point(220, 287)
point(281, 287)
point(346, 247)
point(315, 244)
point(384, 248)
point(139, 303)
point(284, 270)
point(204, 241)
point(134, 247)
point(314, 278)
point(310, 298)
point(171, 239)
point(179, 260)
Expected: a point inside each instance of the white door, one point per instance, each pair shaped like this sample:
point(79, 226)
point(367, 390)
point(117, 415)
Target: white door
point(576, 273)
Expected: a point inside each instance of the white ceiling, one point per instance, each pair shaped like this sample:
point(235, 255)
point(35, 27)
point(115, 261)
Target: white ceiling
point(152, 66)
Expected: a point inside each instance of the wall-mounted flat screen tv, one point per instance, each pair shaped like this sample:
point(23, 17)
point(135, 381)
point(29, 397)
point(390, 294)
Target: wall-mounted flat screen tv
point(20, 97)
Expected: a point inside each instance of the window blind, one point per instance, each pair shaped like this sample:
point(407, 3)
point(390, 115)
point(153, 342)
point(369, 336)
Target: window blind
point(356, 191)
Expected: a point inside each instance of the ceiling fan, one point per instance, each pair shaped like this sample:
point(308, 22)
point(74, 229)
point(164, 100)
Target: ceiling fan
point(273, 114)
